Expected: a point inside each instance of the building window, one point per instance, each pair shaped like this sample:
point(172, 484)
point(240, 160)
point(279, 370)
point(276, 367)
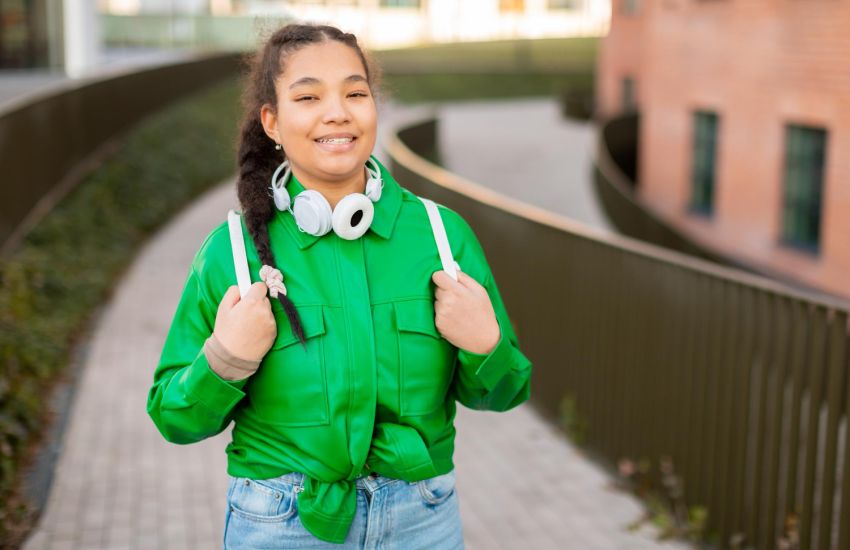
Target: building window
point(400, 3)
point(629, 7)
point(704, 159)
point(805, 153)
point(629, 100)
point(26, 35)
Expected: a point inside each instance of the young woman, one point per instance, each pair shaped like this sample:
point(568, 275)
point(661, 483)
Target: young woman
point(341, 370)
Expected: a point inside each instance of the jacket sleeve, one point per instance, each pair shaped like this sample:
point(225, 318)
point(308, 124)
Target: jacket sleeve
point(189, 401)
point(500, 380)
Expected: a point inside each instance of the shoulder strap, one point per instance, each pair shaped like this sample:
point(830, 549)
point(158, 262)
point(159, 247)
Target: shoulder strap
point(449, 265)
point(240, 259)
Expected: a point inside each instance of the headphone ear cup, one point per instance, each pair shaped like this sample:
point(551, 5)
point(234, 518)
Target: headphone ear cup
point(312, 212)
point(352, 216)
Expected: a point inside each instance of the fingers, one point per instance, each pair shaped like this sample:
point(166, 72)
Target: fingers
point(230, 298)
point(470, 283)
point(257, 291)
point(443, 280)
point(466, 280)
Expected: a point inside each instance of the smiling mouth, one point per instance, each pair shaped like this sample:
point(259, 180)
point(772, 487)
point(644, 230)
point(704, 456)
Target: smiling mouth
point(336, 140)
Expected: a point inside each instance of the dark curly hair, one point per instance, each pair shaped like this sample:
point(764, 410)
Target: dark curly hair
point(257, 156)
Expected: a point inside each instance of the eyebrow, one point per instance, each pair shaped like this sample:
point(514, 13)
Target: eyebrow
point(309, 80)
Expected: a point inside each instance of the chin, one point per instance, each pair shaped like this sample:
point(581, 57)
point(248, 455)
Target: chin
point(344, 164)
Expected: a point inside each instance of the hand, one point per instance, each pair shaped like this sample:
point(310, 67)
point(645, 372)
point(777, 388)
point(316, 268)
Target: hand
point(464, 314)
point(246, 327)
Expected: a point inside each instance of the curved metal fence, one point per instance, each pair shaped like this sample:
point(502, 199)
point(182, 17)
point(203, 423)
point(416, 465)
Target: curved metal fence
point(738, 383)
point(48, 141)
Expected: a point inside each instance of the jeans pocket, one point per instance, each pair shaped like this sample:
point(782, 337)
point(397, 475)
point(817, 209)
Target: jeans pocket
point(267, 501)
point(437, 489)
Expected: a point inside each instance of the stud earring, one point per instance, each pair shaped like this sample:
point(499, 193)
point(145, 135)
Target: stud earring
point(278, 146)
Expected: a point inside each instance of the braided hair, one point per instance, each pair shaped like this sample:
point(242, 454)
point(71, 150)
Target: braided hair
point(257, 156)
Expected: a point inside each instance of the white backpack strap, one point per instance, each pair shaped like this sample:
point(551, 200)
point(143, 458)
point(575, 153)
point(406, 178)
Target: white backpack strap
point(240, 259)
point(449, 265)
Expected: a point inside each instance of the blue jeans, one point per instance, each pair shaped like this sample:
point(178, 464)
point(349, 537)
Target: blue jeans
point(391, 514)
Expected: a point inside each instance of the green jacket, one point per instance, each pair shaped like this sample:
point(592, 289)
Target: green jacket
point(376, 386)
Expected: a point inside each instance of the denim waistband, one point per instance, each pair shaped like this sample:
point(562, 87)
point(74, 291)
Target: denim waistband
point(372, 482)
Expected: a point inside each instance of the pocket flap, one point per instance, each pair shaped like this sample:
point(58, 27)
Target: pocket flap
point(416, 316)
point(312, 321)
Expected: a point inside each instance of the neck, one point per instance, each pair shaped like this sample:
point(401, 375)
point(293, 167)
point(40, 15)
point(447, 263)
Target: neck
point(334, 191)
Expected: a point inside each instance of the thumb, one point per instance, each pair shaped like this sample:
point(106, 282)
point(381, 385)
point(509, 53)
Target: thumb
point(257, 291)
point(468, 281)
point(230, 299)
point(443, 280)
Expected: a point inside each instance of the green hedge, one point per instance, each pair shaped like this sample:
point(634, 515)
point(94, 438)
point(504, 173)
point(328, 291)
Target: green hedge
point(66, 266)
point(490, 70)
point(523, 56)
point(412, 88)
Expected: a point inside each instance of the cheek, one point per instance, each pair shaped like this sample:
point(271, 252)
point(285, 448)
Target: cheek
point(367, 118)
point(295, 130)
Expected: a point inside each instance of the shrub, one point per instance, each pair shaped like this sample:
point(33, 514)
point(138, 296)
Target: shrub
point(65, 267)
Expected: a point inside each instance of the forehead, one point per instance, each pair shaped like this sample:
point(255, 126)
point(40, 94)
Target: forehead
point(329, 61)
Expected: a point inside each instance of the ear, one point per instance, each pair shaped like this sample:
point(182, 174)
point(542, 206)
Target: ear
point(268, 118)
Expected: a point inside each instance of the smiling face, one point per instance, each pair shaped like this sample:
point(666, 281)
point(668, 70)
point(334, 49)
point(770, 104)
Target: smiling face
point(325, 118)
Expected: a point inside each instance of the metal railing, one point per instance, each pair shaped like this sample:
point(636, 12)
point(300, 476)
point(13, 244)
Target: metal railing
point(741, 381)
point(50, 140)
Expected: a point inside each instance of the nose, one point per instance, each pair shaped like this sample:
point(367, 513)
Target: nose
point(336, 111)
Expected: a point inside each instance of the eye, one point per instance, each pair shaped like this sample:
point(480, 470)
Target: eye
point(305, 97)
point(358, 94)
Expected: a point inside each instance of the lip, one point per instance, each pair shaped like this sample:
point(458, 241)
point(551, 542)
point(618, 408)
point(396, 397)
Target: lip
point(336, 147)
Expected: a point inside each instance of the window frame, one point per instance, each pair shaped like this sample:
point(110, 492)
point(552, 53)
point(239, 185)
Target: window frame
point(803, 179)
point(704, 154)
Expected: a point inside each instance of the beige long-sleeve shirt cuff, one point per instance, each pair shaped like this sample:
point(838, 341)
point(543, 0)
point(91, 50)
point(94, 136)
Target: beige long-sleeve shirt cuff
point(225, 364)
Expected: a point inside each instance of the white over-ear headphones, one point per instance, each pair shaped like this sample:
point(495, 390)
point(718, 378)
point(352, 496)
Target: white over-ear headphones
point(352, 215)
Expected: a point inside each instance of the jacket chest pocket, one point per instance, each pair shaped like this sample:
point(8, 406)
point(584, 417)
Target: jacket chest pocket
point(291, 388)
point(426, 359)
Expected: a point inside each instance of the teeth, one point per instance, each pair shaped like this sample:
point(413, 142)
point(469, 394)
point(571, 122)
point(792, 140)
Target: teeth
point(335, 140)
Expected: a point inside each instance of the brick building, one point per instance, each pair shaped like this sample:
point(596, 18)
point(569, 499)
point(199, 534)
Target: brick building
point(744, 141)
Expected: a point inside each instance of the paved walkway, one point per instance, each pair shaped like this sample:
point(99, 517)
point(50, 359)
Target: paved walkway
point(525, 149)
point(118, 484)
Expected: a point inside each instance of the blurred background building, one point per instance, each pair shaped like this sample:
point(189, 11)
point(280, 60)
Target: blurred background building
point(31, 34)
point(69, 34)
point(392, 23)
point(744, 113)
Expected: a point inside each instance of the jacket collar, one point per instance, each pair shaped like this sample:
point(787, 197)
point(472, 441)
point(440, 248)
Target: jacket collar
point(386, 210)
